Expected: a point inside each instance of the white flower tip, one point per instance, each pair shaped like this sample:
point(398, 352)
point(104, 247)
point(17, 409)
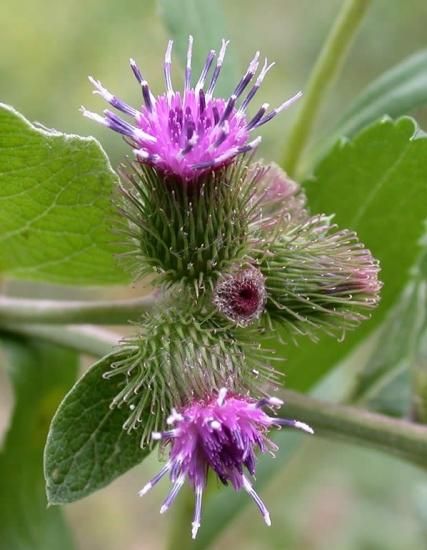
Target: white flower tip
point(174, 417)
point(221, 396)
point(303, 426)
point(94, 82)
point(275, 401)
point(164, 508)
point(267, 519)
point(194, 528)
point(168, 55)
point(253, 65)
point(92, 116)
point(140, 154)
point(215, 425)
point(156, 436)
point(255, 142)
point(145, 490)
point(132, 62)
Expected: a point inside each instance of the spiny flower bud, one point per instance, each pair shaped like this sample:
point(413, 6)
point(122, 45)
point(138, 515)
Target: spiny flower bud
point(180, 355)
point(188, 234)
point(189, 133)
point(240, 296)
point(319, 277)
point(279, 198)
point(220, 433)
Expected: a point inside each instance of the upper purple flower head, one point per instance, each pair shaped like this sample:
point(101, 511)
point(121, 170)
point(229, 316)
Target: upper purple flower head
point(219, 433)
point(188, 133)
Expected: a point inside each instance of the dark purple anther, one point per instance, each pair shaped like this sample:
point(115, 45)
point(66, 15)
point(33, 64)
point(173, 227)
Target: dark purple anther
point(146, 95)
point(205, 70)
point(215, 113)
point(202, 102)
point(254, 121)
point(253, 66)
point(228, 108)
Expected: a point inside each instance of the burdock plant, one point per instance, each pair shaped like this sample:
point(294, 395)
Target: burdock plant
point(254, 272)
point(232, 245)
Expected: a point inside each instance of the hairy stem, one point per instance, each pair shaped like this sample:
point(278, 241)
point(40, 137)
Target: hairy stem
point(84, 339)
point(102, 312)
point(401, 438)
point(325, 69)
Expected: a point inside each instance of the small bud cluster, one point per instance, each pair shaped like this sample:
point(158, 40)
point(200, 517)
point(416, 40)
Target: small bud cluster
point(235, 249)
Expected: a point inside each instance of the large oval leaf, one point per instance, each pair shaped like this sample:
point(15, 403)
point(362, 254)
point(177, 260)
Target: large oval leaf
point(87, 448)
point(55, 205)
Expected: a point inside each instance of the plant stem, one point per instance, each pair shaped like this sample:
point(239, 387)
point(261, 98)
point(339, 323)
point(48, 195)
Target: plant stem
point(84, 339)
point(401, 438)
point(325, 69)
point(103, 312)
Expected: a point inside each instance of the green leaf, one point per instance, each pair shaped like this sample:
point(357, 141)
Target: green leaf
point(395, 93)
point(376, 185)
point(55, 205)
point(41, 374)
point(205, 21)
point(87, 448)
point(394, 377)
point(384, 382)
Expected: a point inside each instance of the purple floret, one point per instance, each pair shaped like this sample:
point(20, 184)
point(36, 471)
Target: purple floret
point(220, 433)
point(188, 133)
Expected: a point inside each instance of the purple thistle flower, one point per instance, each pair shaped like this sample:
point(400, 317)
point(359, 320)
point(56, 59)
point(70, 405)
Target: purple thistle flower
point(241, 296)
point(220, 433)
point(190, 132)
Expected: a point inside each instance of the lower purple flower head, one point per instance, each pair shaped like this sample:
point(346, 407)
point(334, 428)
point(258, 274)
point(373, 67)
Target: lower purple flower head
point(220, 433)
point(188, 133)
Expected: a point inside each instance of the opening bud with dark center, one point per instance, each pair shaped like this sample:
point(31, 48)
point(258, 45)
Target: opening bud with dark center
point(241, 296)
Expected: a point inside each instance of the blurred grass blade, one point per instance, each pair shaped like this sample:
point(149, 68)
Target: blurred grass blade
point(41, 374)
point(205, 21)
point(397, 92)
point(376, 186)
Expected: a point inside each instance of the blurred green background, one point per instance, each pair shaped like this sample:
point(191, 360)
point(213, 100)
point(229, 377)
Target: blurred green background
point(331, 496)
